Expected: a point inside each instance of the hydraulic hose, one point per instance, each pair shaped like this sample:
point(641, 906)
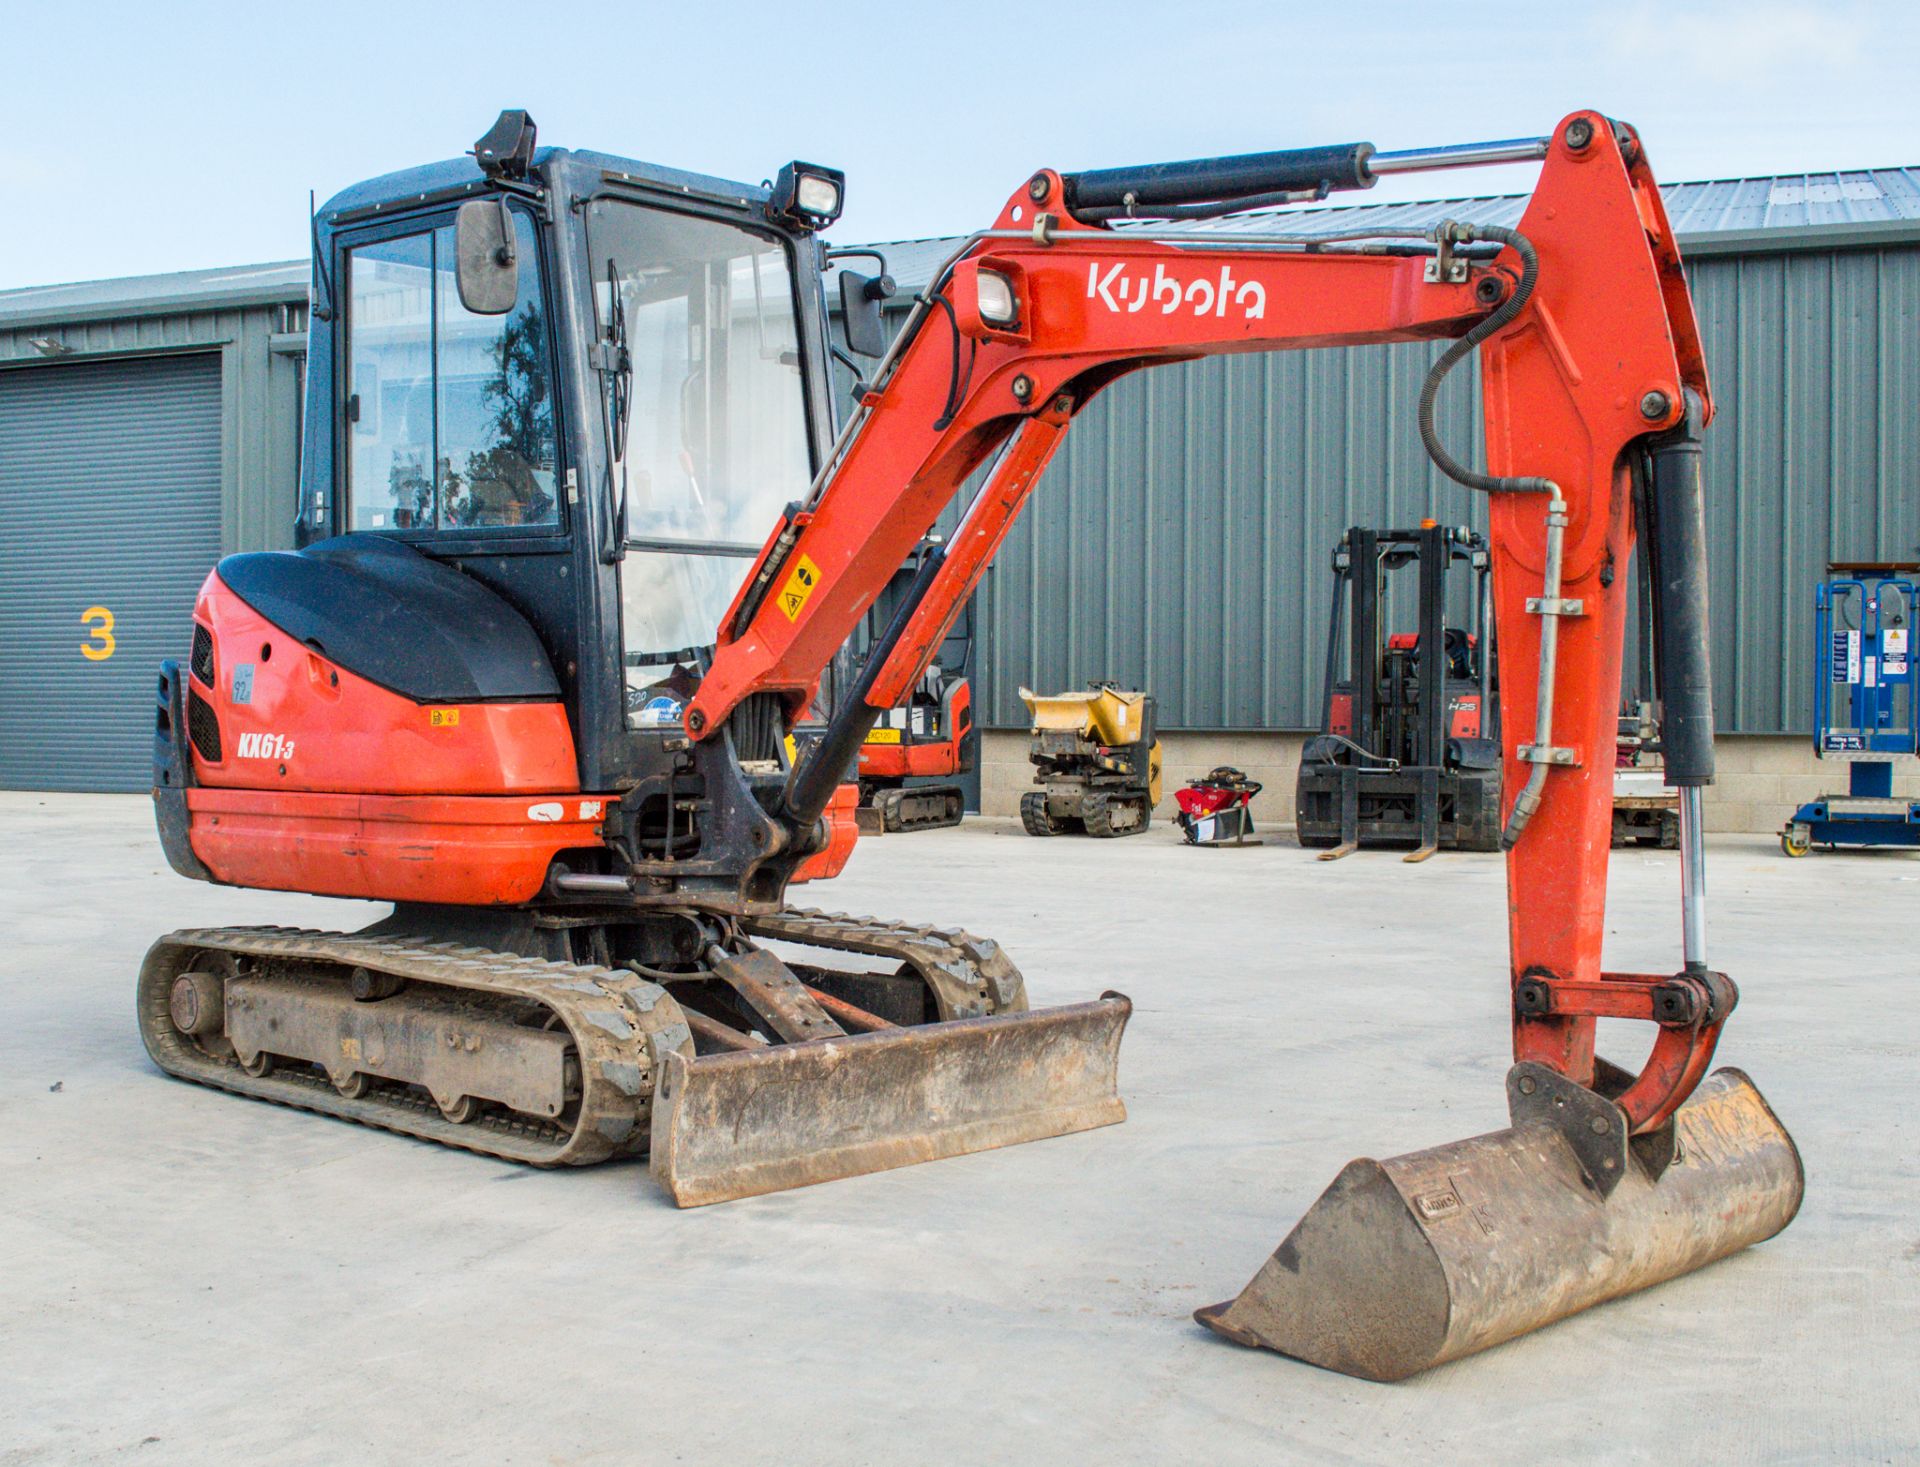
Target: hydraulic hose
point(1511, 307)
point(1528, 799)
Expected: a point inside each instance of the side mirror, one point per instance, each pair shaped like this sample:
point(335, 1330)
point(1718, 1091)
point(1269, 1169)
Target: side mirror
point(485, 257)
point(862, 313)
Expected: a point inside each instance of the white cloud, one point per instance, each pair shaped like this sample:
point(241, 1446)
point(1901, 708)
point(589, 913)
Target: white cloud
point(1728, 40)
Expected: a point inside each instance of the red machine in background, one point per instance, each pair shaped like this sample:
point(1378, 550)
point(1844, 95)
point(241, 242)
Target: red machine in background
point(914, 750)
point(1217, 809)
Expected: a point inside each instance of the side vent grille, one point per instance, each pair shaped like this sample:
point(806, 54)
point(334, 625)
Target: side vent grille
point(202, 661)
point(202, 726)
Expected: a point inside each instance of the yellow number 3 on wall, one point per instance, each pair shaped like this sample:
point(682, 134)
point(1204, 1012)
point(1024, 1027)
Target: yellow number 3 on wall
point(99, 644)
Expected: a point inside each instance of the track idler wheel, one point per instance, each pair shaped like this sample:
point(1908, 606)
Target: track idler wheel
point(1406, 1263)
point(197, 1003)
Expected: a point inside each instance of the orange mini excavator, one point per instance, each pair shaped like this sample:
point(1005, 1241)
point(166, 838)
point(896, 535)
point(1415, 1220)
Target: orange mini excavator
point(579, 541)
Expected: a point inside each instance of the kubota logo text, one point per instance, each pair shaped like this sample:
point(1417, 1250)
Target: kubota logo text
point(264, 746)
point(1115, 289)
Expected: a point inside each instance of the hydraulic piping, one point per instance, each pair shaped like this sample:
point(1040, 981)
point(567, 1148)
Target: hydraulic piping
point(1541, 752)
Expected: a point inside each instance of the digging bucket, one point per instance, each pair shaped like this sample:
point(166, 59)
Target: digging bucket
point(737, 1124)
point(1406, 1263)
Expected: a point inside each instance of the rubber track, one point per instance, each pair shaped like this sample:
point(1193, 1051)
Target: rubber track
point(618, 1023)
point(970, 976)
point(1099, 810)
point(891, 803)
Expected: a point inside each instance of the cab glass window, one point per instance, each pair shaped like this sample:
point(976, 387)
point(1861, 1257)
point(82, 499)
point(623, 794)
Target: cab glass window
point(716, 421)
point(449, 414)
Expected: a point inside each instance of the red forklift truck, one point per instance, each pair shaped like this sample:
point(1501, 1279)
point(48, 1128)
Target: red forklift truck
point(1409, 742)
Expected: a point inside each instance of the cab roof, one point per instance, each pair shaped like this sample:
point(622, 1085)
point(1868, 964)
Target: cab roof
point(583, 168)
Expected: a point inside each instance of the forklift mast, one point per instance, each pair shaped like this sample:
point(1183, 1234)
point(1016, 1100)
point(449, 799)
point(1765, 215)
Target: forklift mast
point(1409, 743)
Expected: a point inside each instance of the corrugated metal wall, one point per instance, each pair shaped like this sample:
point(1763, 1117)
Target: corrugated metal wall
point(262, 349)
point(1181, 540)
point(109, 520)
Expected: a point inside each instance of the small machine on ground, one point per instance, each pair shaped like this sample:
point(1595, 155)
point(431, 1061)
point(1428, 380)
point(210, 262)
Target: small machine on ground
point(1865, 685)
point(1217, 809)
point(915, 749)
point(1096, 759)
point(1409, 745)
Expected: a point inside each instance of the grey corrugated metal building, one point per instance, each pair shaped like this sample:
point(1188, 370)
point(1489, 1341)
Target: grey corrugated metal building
point(1180, 540)
point(147, 427)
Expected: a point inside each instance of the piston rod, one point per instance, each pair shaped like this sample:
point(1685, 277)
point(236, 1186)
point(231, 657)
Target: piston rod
point(1459, 155)
point(1693, 880)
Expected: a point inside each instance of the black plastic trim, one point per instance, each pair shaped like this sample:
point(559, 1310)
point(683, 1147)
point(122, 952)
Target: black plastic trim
point(385, 612)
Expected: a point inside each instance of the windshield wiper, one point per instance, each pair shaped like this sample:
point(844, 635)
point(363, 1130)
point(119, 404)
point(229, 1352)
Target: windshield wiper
point(614, 362)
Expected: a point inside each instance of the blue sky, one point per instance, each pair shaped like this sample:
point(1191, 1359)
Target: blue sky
point(158, 137)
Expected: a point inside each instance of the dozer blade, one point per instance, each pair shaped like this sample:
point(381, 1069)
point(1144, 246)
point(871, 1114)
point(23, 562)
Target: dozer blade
point(1406, 1263)
point(738, 1124)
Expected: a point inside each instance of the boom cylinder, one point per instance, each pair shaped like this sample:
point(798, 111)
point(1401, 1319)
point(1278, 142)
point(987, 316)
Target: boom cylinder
point(1260, 179)
point(1675, 502)
point(1151, 186)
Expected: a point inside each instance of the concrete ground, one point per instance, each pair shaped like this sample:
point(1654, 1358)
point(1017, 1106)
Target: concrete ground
point(189, 1277)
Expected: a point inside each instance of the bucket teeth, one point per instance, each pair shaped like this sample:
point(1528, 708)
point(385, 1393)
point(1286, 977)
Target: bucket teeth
point(1407, 1263)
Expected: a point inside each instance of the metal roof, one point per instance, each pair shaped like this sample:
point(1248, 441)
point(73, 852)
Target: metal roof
point(183, 291)
point(1855, 208)
point(1852, 208)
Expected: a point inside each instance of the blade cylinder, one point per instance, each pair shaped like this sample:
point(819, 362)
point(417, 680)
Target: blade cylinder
point(1407, 1263)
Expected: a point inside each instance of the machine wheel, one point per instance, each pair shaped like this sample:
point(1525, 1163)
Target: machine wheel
point(1795, 840)
point(1033, 814)
point(1669, 830)
point(1108, 816)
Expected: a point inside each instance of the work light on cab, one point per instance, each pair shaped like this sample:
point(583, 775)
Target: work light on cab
point(808, 195)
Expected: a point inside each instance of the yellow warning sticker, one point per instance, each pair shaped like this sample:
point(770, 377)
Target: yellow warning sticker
point(884, 736)
point(442, 717)
point(799, 586)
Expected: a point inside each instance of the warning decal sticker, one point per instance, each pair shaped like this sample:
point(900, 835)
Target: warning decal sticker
point(799, 586)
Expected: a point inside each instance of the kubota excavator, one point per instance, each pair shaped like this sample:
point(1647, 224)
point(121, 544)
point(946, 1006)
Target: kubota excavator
point(579, 544)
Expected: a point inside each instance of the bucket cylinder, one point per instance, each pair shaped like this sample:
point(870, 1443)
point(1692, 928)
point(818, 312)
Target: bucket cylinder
point(1406, 1263)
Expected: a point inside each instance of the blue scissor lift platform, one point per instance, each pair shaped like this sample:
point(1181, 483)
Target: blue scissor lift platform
point(1864, 683)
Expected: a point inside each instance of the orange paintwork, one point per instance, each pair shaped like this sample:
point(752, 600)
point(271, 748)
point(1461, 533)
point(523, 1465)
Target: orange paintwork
point(331, 784)
point(353, 736)
point(468, 850)
point(842, 834)
point(925, 758)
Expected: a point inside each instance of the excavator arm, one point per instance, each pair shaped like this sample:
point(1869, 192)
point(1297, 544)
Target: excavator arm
point(1593, 356)
point(1594, 392)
